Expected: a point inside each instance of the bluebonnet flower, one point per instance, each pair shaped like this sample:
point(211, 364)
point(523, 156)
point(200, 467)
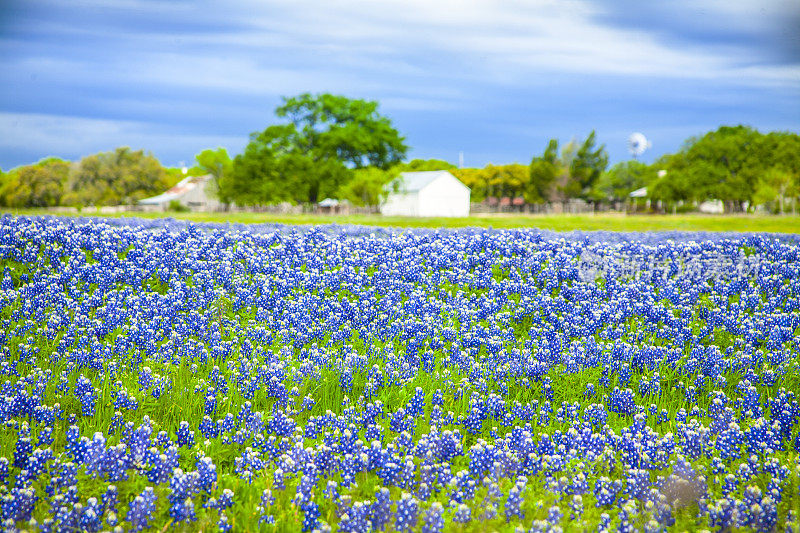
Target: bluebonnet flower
point(463, 514)
point(87, 395)
point(184, 436)
point(267, 499)
point(576, 506)
point(183, 486)
point(225, 499)
point(407, 513)
point(22, 450)
point(141, 510)
point(310, 515)
point(513, 504)
point(223, 524)
point(622, 402)
point(381, 509)
point(433, 521)
point(206, 472)
point(606, 490)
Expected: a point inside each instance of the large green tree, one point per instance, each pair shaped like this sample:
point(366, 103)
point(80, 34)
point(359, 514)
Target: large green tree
point(542, 174)
point(724, 164)
point(273, 168)
point(263, 173)
point(506, 180)
point(123, 176)
point(572, 173)
point(476, 179)
point(327, 138)
point(7, 184)
point(349, 130)
point(585, 168)
point(420, 165)
point(38, 185)
point(782, 150)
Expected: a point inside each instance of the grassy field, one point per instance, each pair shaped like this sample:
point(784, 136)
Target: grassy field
point(587, 222)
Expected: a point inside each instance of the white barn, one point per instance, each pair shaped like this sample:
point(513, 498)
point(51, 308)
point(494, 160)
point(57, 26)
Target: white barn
point(194, 192)
point(434, 193)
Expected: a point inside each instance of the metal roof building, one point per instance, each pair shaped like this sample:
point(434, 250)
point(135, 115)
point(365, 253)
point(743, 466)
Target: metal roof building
point(434, 193)
point(191, 192)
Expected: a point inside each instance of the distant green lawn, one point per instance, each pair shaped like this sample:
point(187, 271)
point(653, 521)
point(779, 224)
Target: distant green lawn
point(589, 222)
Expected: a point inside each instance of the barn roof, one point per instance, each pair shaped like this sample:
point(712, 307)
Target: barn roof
point(416, 181)
point(182, 187)
point(160, 199)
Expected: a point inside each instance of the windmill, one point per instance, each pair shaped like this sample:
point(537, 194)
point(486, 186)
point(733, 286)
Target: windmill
point(637, 144)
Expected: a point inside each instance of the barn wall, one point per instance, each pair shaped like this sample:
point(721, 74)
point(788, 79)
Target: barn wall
point(198, 198)
point(444, 197)
point(401, 204)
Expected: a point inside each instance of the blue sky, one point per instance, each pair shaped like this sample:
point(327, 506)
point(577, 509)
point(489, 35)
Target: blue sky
point(495, 80)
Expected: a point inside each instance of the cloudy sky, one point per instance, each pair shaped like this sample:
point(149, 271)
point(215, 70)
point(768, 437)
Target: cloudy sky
point(494, 79)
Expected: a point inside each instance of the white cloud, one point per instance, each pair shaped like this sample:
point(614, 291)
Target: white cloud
point(281, 48)
point(510, 39)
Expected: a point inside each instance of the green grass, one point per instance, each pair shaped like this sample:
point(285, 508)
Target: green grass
point(566, 222)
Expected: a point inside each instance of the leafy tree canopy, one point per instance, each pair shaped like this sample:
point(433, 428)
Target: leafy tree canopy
point(122, 176)
point(585, 167)
point(350, 130)
point(262, 174)
point(38, 185)
point(494, 180)
point(327, 137)
point(421, 165)
point(542, 174)
point(733, 164)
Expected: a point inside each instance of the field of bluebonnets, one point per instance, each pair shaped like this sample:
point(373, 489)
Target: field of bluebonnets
point(174, 376)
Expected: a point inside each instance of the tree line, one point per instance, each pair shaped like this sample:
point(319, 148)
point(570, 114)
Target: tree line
point(333, 146)
point(738, 165)
point(122, 176)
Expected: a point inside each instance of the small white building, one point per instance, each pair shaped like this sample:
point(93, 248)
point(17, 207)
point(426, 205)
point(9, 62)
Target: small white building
point(435, 193)
point(713, 207)
point(194, 192)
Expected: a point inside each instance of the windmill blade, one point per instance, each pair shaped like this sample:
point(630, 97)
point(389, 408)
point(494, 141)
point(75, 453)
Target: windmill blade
point(637, 144)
